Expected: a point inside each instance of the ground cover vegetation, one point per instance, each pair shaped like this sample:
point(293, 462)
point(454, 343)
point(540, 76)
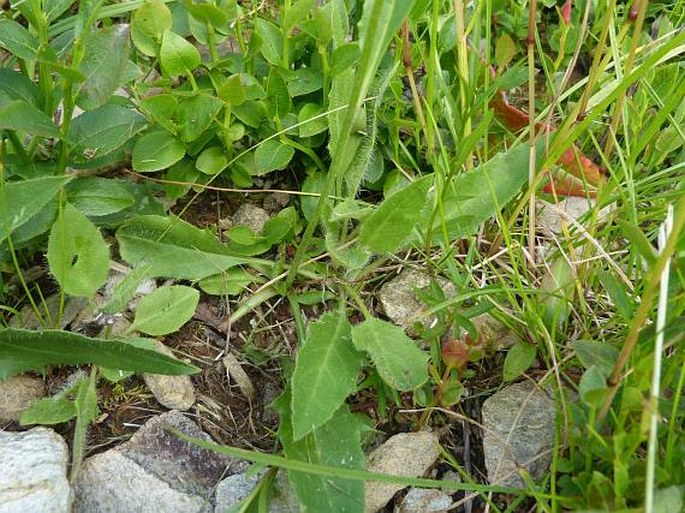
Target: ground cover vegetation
point(385, 123)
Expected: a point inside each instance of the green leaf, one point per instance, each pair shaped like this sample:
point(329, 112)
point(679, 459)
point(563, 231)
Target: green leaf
point(23, 350)
point(99, 196)
point(474, 197)
point(392, 223)
point(165, 310)
point(173, 248)
point(148, 24)
point(177, 55)
point(400, 363)
point(638, 241)
point(504, 51)
point(104, 65)
point(20, 201)
point(618, 294)
point(519, 358)
point(77, 253)
point(308, 125)
point(17, 40)
point(296, 13)
point(326, 372)
point(161, 108)
point(212, 160)
point(22, 116)
point(232, 90)
point(344, 57)
point(278, 97)
point(598, 354)
point(156, 150)
point(50, 410)
point(272, 41)
point(231, 282)
point(16, 86)
point(304, 81)
point(195, 114)
point(208, 13)
point(337, 444)
point(103, 130)
point(272, 155)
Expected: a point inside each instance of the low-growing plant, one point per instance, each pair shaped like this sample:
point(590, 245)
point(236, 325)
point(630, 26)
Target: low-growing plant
point(382, 112)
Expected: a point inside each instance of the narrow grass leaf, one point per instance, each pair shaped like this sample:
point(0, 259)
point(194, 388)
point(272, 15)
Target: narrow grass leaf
point(638, 241)
point(392, 223)
point(77, 253)
point(20, 201)
point(400, 363)
point(23, 350)
point(519, 358)
point(165, 310)
point(326, 372)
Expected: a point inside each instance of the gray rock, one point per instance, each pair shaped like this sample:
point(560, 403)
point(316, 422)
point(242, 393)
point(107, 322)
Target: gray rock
point(17, 393)
point(173, 392)
point(33, 472)
point(404, 454)
point(252, 216)
point(237, 487)
point(185, 467)
point(398, 297)
point(492, 334)
point(423, 500)
point(518, 432)
point(112, 483)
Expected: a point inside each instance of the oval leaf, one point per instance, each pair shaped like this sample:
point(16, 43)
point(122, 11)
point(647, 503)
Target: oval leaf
point(77, 253)
point(165, 310)
point(519, 358)
point(399, 362)
point(155, 151)
point(272, 155)
point(177, 55)
point(325, 374)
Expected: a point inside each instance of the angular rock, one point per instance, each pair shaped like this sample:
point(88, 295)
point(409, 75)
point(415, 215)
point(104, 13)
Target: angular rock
point(17, 393)
point(398, 296)
point(252, 216)
point(424, 500)
point(33, 472)
point(112, 483)
point(519, 429)
point(185, 467)
point(235, 488)
point(173, 392)
point(404, 454)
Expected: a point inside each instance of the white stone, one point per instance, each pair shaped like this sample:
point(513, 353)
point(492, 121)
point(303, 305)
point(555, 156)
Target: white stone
point(33, 472)
point(252, 216)
point(424, 500)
